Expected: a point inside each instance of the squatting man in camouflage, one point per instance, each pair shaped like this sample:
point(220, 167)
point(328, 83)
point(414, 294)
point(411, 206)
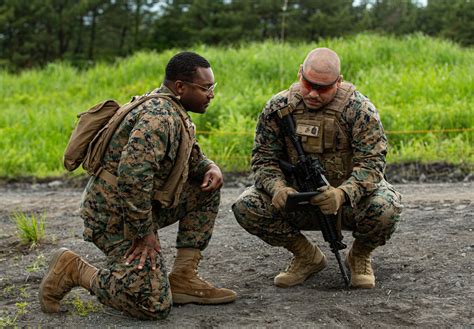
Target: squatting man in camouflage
point(153, 152)
point(340, 127)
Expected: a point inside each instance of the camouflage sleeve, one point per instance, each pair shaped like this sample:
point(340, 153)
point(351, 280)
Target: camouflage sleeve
point(140, 159)
point(369, 145)
point(268, 148)
point(199, 162)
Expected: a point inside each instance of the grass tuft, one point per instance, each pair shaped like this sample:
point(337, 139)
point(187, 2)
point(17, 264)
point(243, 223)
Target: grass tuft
point(84, 308)
point(30, 229)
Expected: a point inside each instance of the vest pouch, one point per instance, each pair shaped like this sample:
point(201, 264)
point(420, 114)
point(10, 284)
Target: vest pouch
point(311, 133)
point(335, 171)
point(330, 131)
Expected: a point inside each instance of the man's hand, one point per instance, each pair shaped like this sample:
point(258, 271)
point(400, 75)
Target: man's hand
point(148, 246)
point(213, 179)
point(280, 196)
point(330, 200)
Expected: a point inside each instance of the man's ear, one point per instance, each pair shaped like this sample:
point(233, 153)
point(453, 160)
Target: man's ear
point(180, 87)
point(299, 72)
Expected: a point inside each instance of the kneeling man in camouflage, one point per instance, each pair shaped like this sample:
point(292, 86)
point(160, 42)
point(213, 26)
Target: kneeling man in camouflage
point(153, 174)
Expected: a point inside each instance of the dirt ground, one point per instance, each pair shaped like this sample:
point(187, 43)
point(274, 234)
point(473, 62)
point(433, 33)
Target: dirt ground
point(424, 274)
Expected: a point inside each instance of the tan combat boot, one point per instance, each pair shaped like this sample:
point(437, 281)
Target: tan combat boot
point(188, 287)
point(308, 259)
point(66, 271)
point(358, 261)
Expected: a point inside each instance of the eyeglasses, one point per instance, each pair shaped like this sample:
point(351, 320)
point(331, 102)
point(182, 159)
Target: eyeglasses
point(320, 88)
point(208, 90)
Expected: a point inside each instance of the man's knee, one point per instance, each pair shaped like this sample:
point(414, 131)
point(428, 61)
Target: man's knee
point(143, 294)
point(380, 220)
point(241, 213)
point(212, 199)
point(194, 198)
point(149, 303)
point(387, 207)
point(249, 209)
point(149, 293)
point(158, 311)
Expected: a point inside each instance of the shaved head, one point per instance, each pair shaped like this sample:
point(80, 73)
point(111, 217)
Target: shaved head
point(322, 61)
point(320, 77)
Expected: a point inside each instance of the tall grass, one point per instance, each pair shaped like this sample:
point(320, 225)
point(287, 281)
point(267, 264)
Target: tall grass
point(417, 83)
point(30, 229)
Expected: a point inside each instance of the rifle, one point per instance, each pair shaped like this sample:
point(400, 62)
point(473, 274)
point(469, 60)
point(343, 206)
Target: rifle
point(309, 177)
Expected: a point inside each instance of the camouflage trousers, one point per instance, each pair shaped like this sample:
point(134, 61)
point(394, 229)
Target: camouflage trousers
point(145, 294)
point(372, 222)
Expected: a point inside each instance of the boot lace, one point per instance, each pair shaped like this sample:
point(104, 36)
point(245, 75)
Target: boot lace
point(295, 263)
point(362, 264)
point(198, 277)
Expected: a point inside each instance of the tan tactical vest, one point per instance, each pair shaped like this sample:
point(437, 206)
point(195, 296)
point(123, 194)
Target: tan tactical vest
point(323, 134)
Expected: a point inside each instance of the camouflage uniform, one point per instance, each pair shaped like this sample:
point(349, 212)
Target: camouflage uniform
point(141, 154)
point(347, 137)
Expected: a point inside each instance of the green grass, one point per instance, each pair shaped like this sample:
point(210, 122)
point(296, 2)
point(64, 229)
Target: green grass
point(417, 83)
point(30, 229)
point(84, 308)
point(10, 321)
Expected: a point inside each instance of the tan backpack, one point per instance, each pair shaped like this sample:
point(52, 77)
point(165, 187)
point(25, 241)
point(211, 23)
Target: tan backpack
point(95, 128)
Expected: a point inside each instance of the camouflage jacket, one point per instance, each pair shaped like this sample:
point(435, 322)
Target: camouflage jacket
point(142, 154)
point(367, 145)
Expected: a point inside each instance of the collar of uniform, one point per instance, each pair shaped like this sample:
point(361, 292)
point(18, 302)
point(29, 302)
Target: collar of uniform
point(164, 90)
point(186, 118)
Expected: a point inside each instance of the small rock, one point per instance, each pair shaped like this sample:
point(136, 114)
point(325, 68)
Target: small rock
point(55, 183)
point(422, 178)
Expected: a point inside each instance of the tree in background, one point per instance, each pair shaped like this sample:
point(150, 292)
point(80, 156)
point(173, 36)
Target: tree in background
point(452, 19)
point(35, 32)
point(394, 16)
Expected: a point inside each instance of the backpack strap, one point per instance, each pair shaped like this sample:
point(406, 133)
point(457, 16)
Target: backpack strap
point(106, 176)
point(173, 186)
point(97, 150)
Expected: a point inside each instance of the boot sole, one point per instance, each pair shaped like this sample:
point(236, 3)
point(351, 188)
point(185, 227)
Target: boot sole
point(188, 299)
point(54, 260)
point(321, 266)
point(363, 286)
